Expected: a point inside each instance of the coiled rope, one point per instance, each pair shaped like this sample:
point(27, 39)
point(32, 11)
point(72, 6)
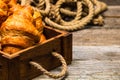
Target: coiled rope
point(58, 13)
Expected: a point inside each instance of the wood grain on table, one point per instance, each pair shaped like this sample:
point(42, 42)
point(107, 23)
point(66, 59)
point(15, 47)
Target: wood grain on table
point(96, 51)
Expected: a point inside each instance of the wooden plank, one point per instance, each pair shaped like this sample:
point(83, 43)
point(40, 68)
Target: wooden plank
point(14, 69)
point(41, 49)
point(109, 23)
point(96, 37)
point(112, 2)
point(66, 47)
point(29, 71)
point(3, 68)
point(50, 33)
point(100, 53)
point(91, 63)
point(112, 11)
point(94, 70)
point(90, 70)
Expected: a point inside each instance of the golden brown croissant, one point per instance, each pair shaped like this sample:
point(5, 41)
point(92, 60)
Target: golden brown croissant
point(42, 38)
point(3, 11)
point(23, 28)
point(38, 23)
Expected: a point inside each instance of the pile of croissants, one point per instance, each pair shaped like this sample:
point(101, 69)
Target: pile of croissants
point(20, 26)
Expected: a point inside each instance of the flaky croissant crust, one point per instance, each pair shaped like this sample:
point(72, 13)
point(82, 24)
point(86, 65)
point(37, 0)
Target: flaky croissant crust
point(23, 28)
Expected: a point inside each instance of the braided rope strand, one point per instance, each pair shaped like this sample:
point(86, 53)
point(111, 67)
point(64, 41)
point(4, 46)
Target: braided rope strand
point(78, 25)
point(87, 18)
point(40, 5)
point(61, 74)
point(87, 11)
point(77, 17)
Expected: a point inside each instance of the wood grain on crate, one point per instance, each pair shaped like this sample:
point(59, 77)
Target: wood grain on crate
point(17, 66)
point(96, 50)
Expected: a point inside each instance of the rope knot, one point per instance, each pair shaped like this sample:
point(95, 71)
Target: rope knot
point(99, 20)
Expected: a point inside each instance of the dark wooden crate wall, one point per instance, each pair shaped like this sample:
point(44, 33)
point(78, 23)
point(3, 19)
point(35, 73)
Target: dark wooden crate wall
point(18, 68)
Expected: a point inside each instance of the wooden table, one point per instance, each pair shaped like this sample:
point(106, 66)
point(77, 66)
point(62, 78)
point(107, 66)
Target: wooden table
point(96, 50)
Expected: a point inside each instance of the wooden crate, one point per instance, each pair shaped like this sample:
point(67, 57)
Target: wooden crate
point(17, 67)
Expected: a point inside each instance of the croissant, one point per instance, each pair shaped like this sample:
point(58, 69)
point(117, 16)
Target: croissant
point(42, 38)
point(22, 29)
point(3, 11)
point(38, 23)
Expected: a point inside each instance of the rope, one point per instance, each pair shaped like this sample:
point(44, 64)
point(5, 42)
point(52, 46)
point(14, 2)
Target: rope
point(77, 17)
point(87, 18)
point(61, 74)
point(58, 16)
point(39, 6)
point(99, 7)
point(98, 20)
point(76, 25)
point(47, 9)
